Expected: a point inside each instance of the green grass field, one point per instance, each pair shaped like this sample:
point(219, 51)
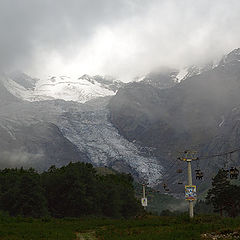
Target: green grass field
point(150, 227)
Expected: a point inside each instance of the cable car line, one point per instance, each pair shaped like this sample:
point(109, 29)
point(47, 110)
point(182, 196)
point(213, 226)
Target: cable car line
point(220, 154)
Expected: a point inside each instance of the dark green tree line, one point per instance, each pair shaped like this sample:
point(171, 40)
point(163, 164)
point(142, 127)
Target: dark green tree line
point(70, 191)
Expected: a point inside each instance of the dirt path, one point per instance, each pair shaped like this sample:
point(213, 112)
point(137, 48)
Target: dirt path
point(91, 235)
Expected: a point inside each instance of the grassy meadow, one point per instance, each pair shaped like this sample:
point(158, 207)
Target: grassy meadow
point(145, 228)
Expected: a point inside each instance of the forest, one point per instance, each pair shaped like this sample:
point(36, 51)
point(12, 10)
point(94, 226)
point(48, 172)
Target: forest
point(74, 190)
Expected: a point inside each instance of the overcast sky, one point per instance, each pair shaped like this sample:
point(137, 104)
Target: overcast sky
point(124, 38)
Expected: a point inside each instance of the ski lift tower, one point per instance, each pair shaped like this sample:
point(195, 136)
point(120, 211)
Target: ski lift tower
point(190, 189)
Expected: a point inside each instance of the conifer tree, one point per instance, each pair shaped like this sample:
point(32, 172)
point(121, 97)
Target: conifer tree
point(223, 195)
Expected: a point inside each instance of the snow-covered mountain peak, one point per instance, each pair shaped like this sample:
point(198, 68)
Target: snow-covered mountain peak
point(80, 89)
point(232, 57)
point(194, 70)
point(167, 78)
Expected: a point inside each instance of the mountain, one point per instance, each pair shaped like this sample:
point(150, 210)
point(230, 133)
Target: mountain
point(26, 140)
point(82, 89)
point(152, 115)
point(79, 132)
point(164, 78)
point(137, 127)
point(188, 114)
point(169, 77)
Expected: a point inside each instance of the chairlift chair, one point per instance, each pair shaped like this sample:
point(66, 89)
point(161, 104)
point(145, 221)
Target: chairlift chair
point(233, 173)
point(236, 172)
point(197, 171)
point(199, 174)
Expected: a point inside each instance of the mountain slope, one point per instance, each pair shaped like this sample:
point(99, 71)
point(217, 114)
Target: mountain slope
point(188, 113)
point(88, 134)
point(199, 113)
point(38, 145)
point(5, 96)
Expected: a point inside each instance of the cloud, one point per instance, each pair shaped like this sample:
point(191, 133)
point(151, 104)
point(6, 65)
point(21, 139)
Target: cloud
point(20, 158)
point(121, 37)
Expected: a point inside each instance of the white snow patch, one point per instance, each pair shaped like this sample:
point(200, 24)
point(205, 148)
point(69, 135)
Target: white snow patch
point(79, 90)
point(181, 75)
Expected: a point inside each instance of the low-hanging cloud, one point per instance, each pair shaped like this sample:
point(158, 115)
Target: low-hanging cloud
point(124, 38)
point(20, 158)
